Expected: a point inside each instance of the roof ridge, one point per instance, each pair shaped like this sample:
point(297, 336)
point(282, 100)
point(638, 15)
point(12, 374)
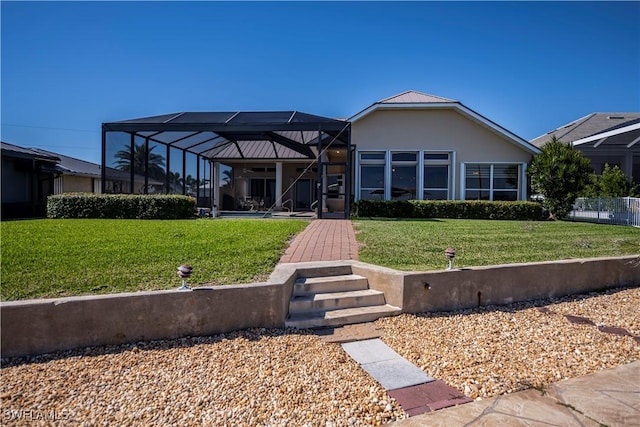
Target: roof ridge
point(394, 96)
point(416, 92)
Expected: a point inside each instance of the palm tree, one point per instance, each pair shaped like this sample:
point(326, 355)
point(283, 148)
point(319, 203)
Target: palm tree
point(191, 184)
point(156, 166)
point(175, 182)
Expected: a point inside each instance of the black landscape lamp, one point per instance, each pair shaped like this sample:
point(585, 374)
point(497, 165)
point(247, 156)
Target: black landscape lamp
point(451, 254)
point(184, 271)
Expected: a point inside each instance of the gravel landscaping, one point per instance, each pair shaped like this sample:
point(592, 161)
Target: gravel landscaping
point(287, 377)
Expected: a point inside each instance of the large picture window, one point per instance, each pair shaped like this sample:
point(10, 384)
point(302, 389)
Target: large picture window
point(372, 175)
point(404, 168)
point(405, 175)
point(436, 176)
point(492, 181)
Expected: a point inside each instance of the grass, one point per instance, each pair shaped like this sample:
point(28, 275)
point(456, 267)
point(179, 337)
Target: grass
point(55, 258)
point(420, 244)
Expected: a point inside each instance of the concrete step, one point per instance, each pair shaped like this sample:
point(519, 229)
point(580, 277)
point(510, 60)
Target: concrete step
point(324, 271)
point(319, 285)
point(341, 317)
point(335, 300)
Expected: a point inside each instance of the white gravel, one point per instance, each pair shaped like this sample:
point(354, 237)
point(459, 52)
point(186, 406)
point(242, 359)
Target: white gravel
point(284, 377)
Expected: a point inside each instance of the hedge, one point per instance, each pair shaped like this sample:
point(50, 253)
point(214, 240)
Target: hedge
point(130, 206)
point(463, 209)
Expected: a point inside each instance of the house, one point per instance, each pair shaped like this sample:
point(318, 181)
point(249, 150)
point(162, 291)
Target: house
point(408, 146)
point(74, 175)
point(30, 175)
point(419, 146)
point(611, 138)
point(27, 180)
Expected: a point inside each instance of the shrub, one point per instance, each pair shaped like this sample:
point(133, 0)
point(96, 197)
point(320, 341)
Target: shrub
point(560, 173)
point(463, 209)
point(120, 206)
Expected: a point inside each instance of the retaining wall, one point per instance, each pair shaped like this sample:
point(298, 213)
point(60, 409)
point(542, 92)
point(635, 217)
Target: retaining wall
point(41, 326)
point(418, 292)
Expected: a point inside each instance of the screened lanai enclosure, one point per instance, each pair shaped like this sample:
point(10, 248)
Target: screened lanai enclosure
point(234, 161)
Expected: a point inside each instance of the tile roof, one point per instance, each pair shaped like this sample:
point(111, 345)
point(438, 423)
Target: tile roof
point(586, 126)
point(414, 97)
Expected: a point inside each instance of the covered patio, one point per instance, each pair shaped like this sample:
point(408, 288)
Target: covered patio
point(269, 161)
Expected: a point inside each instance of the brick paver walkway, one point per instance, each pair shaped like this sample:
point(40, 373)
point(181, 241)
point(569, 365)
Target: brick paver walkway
point(324, 240)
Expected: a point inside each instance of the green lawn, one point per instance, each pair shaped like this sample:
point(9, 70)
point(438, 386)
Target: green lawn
point(420, 244)
point(53, 258)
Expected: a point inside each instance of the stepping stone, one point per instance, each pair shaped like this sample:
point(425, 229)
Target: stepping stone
point(385, 365)
point(613, 330)
point(579, 320)
point(396, 373)
point(428, 397)
point(369, 351)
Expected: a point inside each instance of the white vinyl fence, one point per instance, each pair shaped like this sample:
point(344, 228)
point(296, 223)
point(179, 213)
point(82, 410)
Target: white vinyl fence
point(620, 210)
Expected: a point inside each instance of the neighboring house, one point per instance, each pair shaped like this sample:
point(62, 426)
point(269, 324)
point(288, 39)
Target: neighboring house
point(612, 138)
point(30, 175)
point(75, 175)
point(408, 146)
point(27, 180)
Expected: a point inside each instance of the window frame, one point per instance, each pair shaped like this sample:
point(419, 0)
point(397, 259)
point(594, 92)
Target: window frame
point(520, 173)
point(386, 161)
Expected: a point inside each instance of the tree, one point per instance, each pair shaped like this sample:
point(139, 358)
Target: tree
point(559, 173)
point(613, 183)
point(156, 168)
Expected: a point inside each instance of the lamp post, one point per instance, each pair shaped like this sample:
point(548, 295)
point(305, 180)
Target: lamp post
point(184, 271)
point(451, 254)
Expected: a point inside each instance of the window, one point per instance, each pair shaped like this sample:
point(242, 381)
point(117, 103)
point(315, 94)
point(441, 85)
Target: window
point(492, 181)
point(436, 176)
point(405, 175)
point(404, 167)
point(372, 175)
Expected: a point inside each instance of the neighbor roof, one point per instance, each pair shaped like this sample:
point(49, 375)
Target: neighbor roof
point(240, 135)
point(12, 150)
point(587, 126)
point(412, 99)
point(72, 166)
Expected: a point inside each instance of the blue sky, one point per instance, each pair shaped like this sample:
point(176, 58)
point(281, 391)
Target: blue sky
point(529, 66)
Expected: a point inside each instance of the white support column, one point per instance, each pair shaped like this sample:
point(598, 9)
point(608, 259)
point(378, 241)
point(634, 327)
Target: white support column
point(279, 185)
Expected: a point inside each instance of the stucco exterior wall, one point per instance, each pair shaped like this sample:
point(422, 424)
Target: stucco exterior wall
point(79, 184)
point(434, 129)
